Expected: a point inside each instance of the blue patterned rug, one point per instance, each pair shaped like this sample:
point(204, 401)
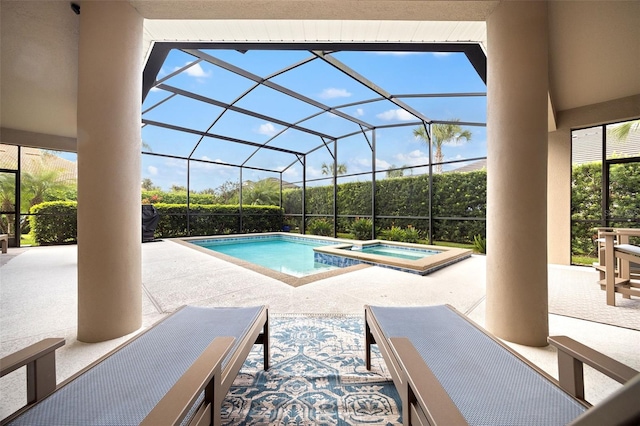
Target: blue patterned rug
point(317, 377)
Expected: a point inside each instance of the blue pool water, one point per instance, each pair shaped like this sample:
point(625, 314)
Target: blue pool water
point(399, 252)
point(287, 255)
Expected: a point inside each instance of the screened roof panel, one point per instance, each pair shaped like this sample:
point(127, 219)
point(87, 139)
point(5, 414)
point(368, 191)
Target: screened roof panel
point(245, 127)
point(155, 96)
point(383, 113)
point(210, 81)
point(296, 140)
point(323, 83)
point(276, 104)
point(185, 112)
point(331, 124)
point(270, 160)
point(222, 151)
point(355, 84)
point(415, 72)
point(263, 63)
point(469, 109)
point(159, 140)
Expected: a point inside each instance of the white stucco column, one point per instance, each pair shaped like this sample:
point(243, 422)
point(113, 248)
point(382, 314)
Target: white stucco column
point(517, 85)
point(109, 212)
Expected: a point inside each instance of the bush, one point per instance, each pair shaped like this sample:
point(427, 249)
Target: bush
point(321, 227)
point(54, 222)
point(480, 244)
point(361, 229)
point(394, 234)
point(411, 235)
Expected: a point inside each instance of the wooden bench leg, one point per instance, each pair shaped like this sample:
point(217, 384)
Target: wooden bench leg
point(610, 273)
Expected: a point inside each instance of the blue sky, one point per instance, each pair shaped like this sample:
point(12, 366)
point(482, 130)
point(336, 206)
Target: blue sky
point(397, 73)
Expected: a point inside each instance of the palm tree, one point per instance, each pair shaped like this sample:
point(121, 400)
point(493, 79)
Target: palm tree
point(392, 172)
point(327, 169)
point(264, 192)
point(7, 200)
point(621, 132)
point(40, 184)
point(442, 134)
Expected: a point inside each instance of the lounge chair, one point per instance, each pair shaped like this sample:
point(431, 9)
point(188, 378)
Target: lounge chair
point(449, 371)
point(179, 369)
point(621, 260)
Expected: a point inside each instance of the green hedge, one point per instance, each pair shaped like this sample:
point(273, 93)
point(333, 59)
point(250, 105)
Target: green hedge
point(586, 199)
point(54, 222)
point(157, 196)
point(216, 219)
point(455, 195)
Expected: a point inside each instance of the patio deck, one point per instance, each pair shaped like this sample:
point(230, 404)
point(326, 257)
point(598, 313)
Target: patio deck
point(38, 299)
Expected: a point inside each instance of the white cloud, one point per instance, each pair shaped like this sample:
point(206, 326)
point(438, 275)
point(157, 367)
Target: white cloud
point(359, 112)
point(207, 158)
point(195, 71)
point(395, 114)
point(290, 173)
point(267, 129)
point(413, 158)
point(382, 164)
point(153, 171)
point(332, 92)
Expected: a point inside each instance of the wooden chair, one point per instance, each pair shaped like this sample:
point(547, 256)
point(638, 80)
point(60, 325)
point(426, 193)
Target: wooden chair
point(449, 371)
point(620, 260)
point(176, 372)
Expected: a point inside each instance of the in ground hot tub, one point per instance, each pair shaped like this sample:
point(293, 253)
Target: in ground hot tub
point(415, 258)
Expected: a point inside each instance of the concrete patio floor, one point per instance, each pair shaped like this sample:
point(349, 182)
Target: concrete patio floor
point(38, 299)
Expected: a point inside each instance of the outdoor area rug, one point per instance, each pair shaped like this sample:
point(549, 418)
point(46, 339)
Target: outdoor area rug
point(317, 377)
point(576, 294)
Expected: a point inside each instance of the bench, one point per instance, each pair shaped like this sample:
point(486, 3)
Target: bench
point(449, 371)
point(176, 372)
point(4, 242)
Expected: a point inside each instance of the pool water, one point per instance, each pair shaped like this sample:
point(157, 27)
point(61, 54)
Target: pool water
point(397, 252)
point(290, 256)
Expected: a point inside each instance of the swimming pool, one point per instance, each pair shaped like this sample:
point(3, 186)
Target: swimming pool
point(304, 256)
point(289, 255)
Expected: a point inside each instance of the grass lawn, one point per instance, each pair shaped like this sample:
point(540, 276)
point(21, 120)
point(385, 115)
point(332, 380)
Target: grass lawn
point(583, 260)
point(27, 240)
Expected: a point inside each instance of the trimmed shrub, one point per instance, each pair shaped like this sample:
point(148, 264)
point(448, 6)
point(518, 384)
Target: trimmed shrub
point(321, 227)
point(394, 234)
point(361, 229)
point(55, 222)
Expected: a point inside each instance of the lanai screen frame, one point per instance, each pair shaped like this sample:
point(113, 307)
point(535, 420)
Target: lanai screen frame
point(160, 50)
